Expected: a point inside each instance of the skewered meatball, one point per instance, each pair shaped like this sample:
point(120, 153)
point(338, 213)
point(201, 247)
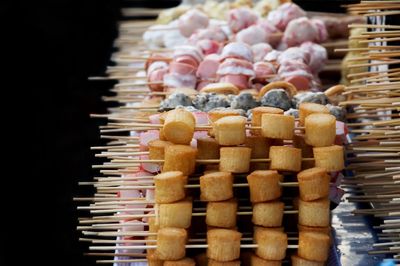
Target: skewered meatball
point(309, 97)
point(244, 101)
point(293, 112)
point(209, 101)
point(337, 111)
point(175, 100)
point(276, 98)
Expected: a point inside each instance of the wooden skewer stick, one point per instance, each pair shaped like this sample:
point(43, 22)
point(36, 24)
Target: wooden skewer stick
point(186, 246)
point(131, 162)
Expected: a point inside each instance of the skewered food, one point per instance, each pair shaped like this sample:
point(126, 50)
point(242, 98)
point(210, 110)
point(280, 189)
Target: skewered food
point(277, 126)
point(179, 126)
point(320, 130)
point(306, 108)
point(170, 187)
point(272, 244)
point(222, 213)
point(177, 214)
point(314, 213)
point(230, 130)
point(313, 246)
point(268, 214)
point(330, 158)
point(181, 262)
point(264, 185)
point(207, 148)
point(235, 159)
point(298, 261)
point(157, 148)
point(180, 158)
point(171, 243)
point(313, 184)
point(217, 186)
point(257, 261)
point(223, 244)
point(285, 158)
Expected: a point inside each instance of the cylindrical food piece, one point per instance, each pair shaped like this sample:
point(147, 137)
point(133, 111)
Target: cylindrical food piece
point(223, 244)
point(264, 185)
point(258, 112)
point(151, 262)
point(179, 126)
point(171, 243)
point(330, 158)
point(284, 158)
point(180, 158)
point(277, 126)
point(169, 187)
point(216, 114)
point(177, 214)
point(306, 109)
point(298, 261)
point(207, 148)
point(314, 213)
point(314, 246)
point(320, 130)
point(261, 228)
point(223, 263)
point(153, 224)
point(259, 146)
point(234, 159)
point(324, 230)
point(306, 150)
point(216, 186)
point(157, 149)
point(257, 261)
point(230, 130)
point(313, 184)
point(222, 213)
point(181, 262)
point(201, 259)
point(268, 214)
point(212, 262)
point(272, 244)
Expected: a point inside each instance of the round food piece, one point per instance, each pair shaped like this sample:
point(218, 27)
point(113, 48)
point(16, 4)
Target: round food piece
point(223, 244)
point(278, 98)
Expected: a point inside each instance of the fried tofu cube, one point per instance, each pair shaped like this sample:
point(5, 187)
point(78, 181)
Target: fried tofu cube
point(222, 213)
point(223, 244)
point(234, 159)
point(268, 214)
point(276, 126)
point(284, 158)
point(216, 186)
point(169, 187)
point(180, 158)
point(171, 243)
point(264, 185)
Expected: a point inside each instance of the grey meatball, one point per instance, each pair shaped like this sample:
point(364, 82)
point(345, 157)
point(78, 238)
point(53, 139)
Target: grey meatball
point(292, 112)
point(216, 101)
point(175, 100)
point(200, 100)
point(337, 111)
point(310, 97)
point(209, 101)
point(244, 101)
point(277, 98)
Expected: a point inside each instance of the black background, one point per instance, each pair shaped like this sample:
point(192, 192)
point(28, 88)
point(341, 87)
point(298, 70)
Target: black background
point(54, 46)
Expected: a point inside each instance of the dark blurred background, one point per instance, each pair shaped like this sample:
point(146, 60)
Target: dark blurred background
point(61, 43)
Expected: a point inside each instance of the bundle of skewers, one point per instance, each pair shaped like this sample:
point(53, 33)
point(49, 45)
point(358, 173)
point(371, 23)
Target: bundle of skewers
point(373, 102)
point(225, 150)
